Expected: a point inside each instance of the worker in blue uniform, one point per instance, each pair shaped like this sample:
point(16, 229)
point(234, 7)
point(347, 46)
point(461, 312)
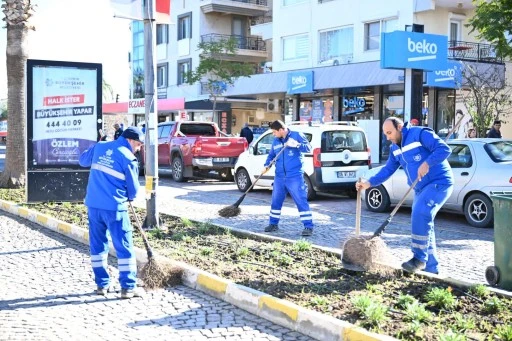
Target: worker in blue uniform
point(289, 175)
point(113, 181)
point(422, 154)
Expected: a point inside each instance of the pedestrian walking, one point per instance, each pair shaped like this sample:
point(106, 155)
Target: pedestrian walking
point(247, 133)
point(118, 131)
point(422, 154)
point(289, 175)
point(495, 132)
point(113, 181)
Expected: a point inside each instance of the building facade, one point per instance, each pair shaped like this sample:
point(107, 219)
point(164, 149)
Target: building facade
point(335, 42)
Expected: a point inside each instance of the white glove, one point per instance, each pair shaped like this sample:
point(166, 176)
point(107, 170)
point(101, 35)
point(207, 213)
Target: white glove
point(292, 143)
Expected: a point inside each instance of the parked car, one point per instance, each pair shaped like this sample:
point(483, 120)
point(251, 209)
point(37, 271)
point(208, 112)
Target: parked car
point(340, 155)
point(196, 148)
point(480, 166)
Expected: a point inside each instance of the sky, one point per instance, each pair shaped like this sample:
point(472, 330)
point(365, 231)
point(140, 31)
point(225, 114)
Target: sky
point(79, 31)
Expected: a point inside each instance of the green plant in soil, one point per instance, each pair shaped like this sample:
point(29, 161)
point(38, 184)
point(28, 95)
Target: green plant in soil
point(417, 312)
point(479, 290)
point(310, 277)
point(453, 336)
point(441, 298)
point(302, 245)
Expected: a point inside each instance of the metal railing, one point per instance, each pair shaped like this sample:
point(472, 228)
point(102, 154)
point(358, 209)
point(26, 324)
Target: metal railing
point(262, 19)
point(242, 42)
point(478, 52)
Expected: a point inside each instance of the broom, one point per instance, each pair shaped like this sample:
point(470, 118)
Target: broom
point(234, 210)
point(153, 274)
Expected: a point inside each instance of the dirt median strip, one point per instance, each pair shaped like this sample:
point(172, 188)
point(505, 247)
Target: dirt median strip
point(287, 314)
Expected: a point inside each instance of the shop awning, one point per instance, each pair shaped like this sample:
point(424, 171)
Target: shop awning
point(330, 77)
point(170, 104)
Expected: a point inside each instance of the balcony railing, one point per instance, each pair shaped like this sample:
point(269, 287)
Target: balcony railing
point(242, 42)
point(262, 19)
point(478, 52)
point(253, 2)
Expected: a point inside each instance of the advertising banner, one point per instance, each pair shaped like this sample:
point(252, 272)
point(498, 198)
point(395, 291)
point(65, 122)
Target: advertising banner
point(413, 50)
point(64, 114)
point(300, 82)
point(450, 77)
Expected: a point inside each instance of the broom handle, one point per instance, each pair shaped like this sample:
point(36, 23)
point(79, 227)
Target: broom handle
point(266, 170)
point(358, 212)
point(149, 250)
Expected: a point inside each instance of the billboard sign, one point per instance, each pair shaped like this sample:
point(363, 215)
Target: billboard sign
point(300, 82)
point(413, 50)
point(63, 111)
point(450, 77)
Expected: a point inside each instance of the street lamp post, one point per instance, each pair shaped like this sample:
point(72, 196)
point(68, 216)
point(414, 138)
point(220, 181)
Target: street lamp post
point(151, 113)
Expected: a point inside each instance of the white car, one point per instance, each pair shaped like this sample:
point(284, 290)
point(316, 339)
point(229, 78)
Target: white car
point(340, 156)
point(480, 167)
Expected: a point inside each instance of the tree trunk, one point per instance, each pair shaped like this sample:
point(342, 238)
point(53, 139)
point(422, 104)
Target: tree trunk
point(14, 171)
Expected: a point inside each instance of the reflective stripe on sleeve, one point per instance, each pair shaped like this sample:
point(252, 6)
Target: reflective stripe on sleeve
point(109, 171)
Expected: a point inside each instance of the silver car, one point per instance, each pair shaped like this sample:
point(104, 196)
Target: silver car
point(480, 166)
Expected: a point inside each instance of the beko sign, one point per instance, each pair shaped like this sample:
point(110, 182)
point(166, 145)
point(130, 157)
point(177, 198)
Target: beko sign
point(300, 82)
point(413, 50)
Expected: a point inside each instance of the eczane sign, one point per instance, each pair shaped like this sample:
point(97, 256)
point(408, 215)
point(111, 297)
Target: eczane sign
point(137, 106)
point(413, 50)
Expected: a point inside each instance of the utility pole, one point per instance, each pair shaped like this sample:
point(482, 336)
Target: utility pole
point(151, 116)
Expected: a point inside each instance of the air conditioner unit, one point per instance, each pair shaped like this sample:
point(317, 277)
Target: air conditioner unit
point(273, 105)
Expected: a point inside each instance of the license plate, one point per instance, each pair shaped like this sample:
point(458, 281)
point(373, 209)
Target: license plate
point(346, 174)
point(221, 159)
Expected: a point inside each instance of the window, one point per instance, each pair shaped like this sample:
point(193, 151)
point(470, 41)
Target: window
point(454, 32)
point(373, 29)
point(460, 156)
point(162, 34)
point(185, 26)
point(184, 66)
point(161, 75)
point(336, 43)
point(296, 47)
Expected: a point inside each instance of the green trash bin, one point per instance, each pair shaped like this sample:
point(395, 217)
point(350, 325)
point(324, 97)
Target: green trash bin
point(501, 273)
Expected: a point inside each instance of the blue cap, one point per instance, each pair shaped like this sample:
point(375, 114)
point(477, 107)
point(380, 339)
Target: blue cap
point(133, 133)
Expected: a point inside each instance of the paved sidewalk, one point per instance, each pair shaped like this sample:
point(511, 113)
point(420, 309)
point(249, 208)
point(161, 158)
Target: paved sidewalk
point(47, 290)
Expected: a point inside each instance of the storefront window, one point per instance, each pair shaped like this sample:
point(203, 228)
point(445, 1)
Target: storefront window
point(357, 103)
point(393, 106)
point(445, 112)
point(316, 110)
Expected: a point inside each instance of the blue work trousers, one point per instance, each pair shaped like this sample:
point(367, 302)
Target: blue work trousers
point(297, 188)
point(118, 224)
point(427, 203)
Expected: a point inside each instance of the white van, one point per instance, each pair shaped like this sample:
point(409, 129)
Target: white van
point(340, 156)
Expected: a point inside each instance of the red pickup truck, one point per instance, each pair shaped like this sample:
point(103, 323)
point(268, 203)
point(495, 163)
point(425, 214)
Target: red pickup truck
point(195, 148)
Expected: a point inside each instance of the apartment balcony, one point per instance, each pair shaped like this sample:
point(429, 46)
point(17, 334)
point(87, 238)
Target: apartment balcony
point(251, 8)
point(474, 52)
point(250, 49)
point(262, 26)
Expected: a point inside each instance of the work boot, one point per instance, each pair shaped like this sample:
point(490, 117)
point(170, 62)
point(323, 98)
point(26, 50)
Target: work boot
point(271, 228)
point(130, 293)
point(307, 232)
point(101, 291)
point(414, 265)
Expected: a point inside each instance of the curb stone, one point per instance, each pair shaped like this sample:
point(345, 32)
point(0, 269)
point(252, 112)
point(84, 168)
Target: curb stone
point(308, 322)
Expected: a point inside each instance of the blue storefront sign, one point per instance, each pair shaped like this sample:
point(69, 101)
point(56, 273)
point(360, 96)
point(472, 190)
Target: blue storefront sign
point(413, 50)
point(450, 77)
point(300, 82)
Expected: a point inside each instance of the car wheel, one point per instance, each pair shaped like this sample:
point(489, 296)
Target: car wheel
point(243, 180)
point(177, 168)
point(226, 174)
point(376, 199)
point(311, 192)
point(479, 211)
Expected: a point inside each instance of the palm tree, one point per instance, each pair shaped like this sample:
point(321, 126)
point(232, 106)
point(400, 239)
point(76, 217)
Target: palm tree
point(108, 92)
point(17, 14)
